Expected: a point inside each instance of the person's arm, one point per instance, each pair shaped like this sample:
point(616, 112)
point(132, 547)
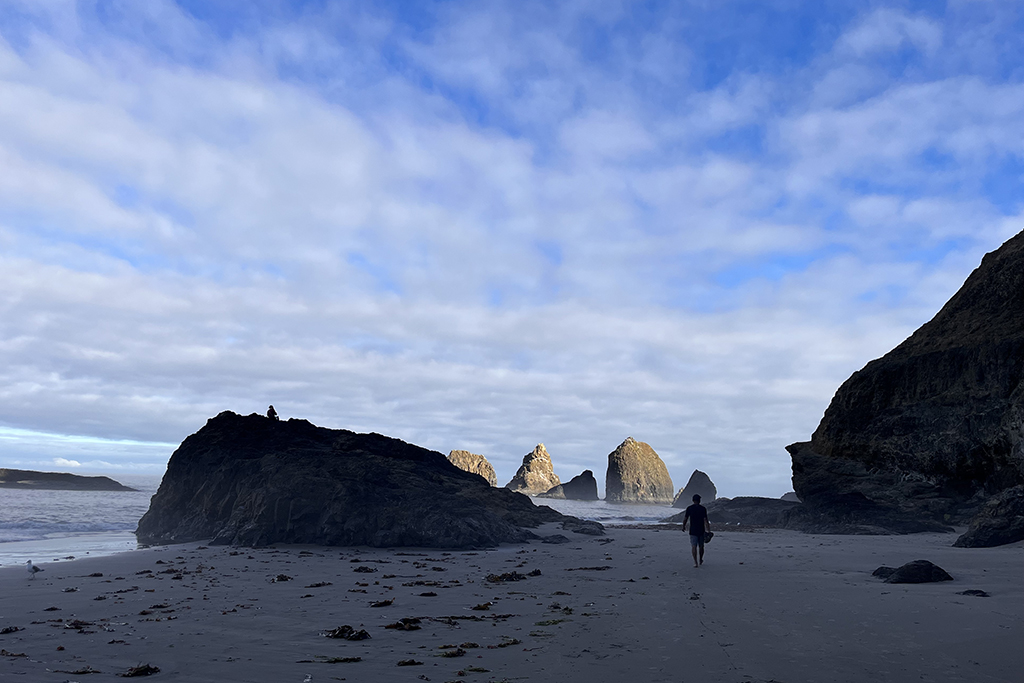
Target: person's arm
point(707, 523)
point(686, 518)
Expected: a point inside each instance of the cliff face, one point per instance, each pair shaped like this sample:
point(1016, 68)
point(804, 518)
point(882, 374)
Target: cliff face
point(936, 426)
point(256, 481)
point(60, 481)
point(636, 475)
point(536, 475)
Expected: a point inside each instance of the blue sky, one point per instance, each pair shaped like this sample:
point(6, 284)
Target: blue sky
point(486, 225)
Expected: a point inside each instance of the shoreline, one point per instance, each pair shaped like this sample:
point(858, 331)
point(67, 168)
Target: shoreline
point(772, 604)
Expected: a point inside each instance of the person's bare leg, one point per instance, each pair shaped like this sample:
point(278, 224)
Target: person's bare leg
point(693, 549)
point(702, 553)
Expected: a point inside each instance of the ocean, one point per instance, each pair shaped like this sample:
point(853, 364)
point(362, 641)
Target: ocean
point(59, 526)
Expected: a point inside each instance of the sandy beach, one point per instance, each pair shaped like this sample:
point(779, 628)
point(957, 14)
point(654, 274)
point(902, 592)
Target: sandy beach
point(768, 605)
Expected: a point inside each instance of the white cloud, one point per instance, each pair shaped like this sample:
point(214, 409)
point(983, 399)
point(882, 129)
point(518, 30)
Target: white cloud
point(63, 462)
point(182, 236)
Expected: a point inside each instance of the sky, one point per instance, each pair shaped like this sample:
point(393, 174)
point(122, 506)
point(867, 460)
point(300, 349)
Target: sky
point(486, 225)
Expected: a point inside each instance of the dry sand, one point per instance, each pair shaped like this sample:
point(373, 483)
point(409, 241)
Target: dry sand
point(766, 606)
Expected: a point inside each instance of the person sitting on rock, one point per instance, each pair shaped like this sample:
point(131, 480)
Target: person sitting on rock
point(272, 414)
point(697, 516)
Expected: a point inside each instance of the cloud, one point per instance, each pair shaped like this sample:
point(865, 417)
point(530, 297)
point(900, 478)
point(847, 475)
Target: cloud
point(63, 462)
point(476, 232)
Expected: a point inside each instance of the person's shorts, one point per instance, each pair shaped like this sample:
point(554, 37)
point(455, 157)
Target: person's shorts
point(696, 540)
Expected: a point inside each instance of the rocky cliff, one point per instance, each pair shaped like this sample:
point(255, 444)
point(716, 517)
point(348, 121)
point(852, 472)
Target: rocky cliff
point(60, 481)
point(934, 428)
point(581, 487)
point(699, 484)
point(536, 475)
point(255, 481)
point(636, 475)
point(477, 464)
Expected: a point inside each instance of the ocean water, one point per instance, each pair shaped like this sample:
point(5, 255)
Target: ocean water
point(59, 526)
point(49, 526)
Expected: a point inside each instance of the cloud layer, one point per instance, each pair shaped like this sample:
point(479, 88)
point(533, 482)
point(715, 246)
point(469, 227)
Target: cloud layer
point(484, 228)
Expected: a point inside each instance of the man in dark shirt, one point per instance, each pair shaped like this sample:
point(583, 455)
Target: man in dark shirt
point(697, 516)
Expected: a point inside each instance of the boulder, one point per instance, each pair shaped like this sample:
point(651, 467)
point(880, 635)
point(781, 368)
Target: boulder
point(699, 484)
point(581, 487)
point(255, 481)
point(536, 475)
point(58, 481)
point(637, 475)
point(918, 571)
point(1000, 521)
point(791, 497)
point(934, 428)
point(477, 464)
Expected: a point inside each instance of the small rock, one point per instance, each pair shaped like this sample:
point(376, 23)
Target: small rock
point(918, 571)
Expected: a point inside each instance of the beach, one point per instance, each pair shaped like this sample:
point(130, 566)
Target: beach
point(768, 605)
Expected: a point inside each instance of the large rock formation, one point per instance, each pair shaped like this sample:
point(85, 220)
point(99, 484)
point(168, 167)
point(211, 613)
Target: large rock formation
point(700, 484)
point(935, 427)
point(536, 475)
point(255, 481)
point(636, 475)
point(477, 464)
point(1001, 521)
point(581, 487)
point(60, 481)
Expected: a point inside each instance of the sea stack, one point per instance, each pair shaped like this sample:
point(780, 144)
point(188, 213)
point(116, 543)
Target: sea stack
point(254, 481)
point(637, 475)
point(477, 464)
point(581, 487)
point(933, 429)
point(536, 475)
point(699, 484)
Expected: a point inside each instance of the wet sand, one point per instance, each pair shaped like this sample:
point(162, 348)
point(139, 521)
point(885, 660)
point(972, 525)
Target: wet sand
point(769, 605)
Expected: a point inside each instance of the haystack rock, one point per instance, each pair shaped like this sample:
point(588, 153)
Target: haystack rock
point(637, 475)
point(477, 464)
point(581, 487)
point(255, 481)
point(700, 484)
point(935, 428)
point(536, 475)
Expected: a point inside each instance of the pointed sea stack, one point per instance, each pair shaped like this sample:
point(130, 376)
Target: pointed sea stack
point(637, 475)
point(699, 484)
point(536, 475)
point(255, 481)
point(477, 464)
point(935, 428)
point(581, 487)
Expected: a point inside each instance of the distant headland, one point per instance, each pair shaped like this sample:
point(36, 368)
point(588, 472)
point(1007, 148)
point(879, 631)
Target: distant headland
point(60, 481)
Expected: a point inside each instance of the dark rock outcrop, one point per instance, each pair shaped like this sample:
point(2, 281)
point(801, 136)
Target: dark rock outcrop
point(637, 475)
point(587, 527)
point(936, 426)
point(477, 464)
point(918, 571)
point(791, 497)
point(744, 510)
point(256, 481)
point(536, 475)
point(581, 487)
point(59, 481)
point(699, 484)
point(1001, 521)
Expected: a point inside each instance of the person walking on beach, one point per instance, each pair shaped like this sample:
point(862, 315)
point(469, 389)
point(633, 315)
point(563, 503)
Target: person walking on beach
point(697, 516)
